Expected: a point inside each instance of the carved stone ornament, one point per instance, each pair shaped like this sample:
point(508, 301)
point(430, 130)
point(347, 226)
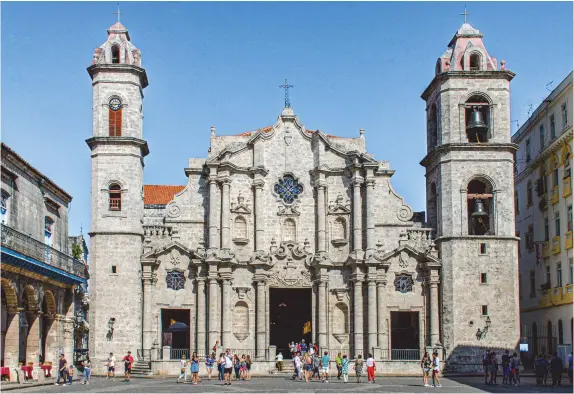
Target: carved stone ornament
point(405, 213)
point(403, 259)
point(241, 336)
point(288, 211)
point(241, 206)
point(291, 266)
point(337, 207)
point(339, 293)
point(173, 210)
point(241, 291)
point(341, 338)
point(174, 258)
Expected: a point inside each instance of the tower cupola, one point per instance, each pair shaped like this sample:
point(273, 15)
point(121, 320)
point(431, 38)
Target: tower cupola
point(118, 48)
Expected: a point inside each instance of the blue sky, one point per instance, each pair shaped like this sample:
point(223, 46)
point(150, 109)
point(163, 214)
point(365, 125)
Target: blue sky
point(354, 65)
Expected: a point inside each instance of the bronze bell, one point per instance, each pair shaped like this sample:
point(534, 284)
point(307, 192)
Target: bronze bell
point(476, 122)
point(479, 211)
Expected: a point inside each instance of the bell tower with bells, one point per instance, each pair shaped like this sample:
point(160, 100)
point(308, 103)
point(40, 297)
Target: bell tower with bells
point(470, 197)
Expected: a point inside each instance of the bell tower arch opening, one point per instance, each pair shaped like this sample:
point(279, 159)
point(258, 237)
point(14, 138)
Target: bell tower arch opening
point(477, 119)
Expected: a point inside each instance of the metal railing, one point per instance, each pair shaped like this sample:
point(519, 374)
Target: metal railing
point(26, 245)
point(402, 354)
point(175, 354)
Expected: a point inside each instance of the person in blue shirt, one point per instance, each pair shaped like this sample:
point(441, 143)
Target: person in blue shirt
point(209, 361)
point(303, 347)
point(325, 367)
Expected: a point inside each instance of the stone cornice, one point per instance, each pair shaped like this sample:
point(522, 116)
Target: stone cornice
point(470, 147)
point(95, 68)
point(142, 144)
point(476, 237)
point(439, 78)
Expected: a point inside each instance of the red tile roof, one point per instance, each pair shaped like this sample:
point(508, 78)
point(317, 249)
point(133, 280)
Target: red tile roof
point(160, 194)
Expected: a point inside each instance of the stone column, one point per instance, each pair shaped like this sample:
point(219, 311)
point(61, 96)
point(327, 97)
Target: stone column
point(213, 236)
point(357, 215)
point(370, 197)
point(226, 313)
point(321, 232)
point(372, 313)
point(147, 282)
point(225, 209)
point(200, 317)
point(33, 338)
point(259, 228)
point(213, 334)
point(434, 317)
point(358, 323)
point(381, 315)
point(261, 331)
point(12, 340)
point(322, 298)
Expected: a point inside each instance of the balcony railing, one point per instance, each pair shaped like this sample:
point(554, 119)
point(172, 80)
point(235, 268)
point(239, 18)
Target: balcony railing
point(567, 189)
point(556, 245)
point(26, 245)
point(568, 237)
point(555, 196)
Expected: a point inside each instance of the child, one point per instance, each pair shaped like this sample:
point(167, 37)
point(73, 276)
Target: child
point(70, 373)
point(359, 368)
point(345, 368)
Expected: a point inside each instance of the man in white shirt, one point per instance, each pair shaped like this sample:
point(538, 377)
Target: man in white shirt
point(297, 365)
point(228, 367)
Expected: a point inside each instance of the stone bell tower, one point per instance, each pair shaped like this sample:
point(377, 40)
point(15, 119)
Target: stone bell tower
point(117, 151)
point(470, 195)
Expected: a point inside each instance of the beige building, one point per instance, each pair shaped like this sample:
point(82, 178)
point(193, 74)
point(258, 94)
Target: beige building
point(543, 206)
point(44, 288)
point(284, 228)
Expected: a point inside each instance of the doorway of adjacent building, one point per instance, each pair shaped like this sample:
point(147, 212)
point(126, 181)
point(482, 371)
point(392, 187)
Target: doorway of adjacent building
point(289, 317)
point(175, 331)
point(405, 336)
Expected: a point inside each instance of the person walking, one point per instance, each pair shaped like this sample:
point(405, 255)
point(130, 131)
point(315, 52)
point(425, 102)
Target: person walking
point(87, 364)
point(435, 370)
point(242, 367)
point(506, 367)
point(338, 361)
point(426, 367)
point(359, 368)
point(221, 366)
point(228, 367)
point(182, 369)
point(540, 365)
point(236, 366)
point(325, 360)
point(316, 365)
point(194, 368)
point(345, 368)
point(556, 366)
point(62, 370)
point(516, 369)
point(297, 366)
point(248, 367)
point(486, 365)
point(279, 362)
point(128, 361)
point(371, 367)
point(307, 367)
point(111, 366)
point(209, 361)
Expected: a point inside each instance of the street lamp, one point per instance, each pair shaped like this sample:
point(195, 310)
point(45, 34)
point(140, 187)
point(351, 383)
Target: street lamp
point(480, 334)
point(111, 323)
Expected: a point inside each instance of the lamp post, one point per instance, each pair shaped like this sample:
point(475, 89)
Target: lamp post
point(481, 334)
point(111, 323)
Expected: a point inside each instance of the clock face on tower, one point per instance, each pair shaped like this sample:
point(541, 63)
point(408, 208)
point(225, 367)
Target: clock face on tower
point(115, 104)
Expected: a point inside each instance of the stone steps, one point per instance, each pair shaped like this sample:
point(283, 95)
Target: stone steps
point(141, 368)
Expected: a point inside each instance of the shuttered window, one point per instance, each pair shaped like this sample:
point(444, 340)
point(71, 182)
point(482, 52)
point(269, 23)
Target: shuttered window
point(115, 123)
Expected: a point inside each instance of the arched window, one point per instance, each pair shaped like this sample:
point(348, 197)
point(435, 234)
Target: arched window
point(529, 193)
point(477, 119)
point(479, 208)
point(115, 117)
point(240, 228)
point(289, 230)
point(474, 61)
point(115, 54)
point(560, 333)
point(433, 127)
point(115, 197)
point(339, 229)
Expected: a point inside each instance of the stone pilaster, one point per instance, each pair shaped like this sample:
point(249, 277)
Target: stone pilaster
point(225, 210)
point(259, 225)
point(226, 313)
point(434, 316)
point(322, 309)
point(213, 236)
point(321, 232)
point(33, 337)
point(381, 315)
point(358, 315)
point(213, 334)
point(372, 313)
point(200, 316)
point(370, 197)
point(261, 331)
point(357, 214)
point(148, 280)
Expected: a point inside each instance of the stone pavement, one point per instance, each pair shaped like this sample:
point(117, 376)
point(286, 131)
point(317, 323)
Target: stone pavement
point(283, 385)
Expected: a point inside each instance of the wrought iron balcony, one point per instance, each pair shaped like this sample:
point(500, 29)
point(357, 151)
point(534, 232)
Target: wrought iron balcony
point(36, 250)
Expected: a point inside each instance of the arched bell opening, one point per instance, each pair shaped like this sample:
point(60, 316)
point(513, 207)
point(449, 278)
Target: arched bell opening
point(480, 208)
point(477, 119)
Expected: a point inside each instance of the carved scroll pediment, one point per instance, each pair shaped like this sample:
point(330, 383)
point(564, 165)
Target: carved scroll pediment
point(337, 207)
point(241, 207)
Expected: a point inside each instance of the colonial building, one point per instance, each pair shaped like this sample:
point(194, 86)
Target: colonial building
point(543, 200)
point(284, 227)
point(41, 281)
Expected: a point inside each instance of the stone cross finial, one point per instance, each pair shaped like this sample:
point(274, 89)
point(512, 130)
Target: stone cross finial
point(212, 131)
point(361, 131)
point(465, 13)
point(286, 86)
point(117, 12)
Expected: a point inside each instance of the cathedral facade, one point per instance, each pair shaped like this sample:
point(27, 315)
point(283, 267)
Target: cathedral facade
point(285, 233)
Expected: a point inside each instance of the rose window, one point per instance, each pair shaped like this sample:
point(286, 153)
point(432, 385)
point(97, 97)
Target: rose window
point(175, 280)
point(288, 189)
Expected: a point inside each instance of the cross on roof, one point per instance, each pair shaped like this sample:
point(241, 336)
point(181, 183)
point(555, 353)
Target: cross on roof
point(286, 86)
point(117, 12)
point(465, 13)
